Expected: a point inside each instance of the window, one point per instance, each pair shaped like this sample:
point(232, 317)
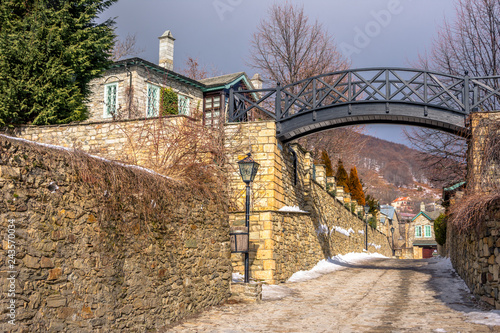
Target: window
point(184, 103)
point(110, 99)
point(212, 109)
point(427, 231)
point(418, 231)
point(153, 101)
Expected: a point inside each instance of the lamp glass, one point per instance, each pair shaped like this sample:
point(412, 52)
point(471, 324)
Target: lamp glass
point(248, 169)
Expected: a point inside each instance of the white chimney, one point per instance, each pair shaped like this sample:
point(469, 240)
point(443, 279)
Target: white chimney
point(167, 50)
point(256, 81)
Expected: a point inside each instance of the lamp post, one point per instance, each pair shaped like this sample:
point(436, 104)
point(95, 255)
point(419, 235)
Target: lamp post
point(392, 231)
point(248, 170)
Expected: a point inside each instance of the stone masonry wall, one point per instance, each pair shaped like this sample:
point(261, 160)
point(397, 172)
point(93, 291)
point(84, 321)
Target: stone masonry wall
point(130, 141)
point(476, 254)
point(476, 257)
point(85, 264)
point(283, 242)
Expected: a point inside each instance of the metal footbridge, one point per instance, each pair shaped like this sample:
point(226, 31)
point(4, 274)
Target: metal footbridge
point(370, 95)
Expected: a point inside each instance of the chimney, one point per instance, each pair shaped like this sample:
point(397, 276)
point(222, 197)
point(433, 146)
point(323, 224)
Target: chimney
point(167, 50)
point(256, 81)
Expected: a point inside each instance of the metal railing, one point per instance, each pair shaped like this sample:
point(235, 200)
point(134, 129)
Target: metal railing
point(459, 94)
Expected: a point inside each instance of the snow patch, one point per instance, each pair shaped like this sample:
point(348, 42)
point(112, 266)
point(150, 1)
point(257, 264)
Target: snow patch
point(93, 156)
point(275, 292)
point(322, 229)
point(361, 232)
point(343, 231)
point(490, 318)
point(294, 209)
point(237, 277)
point(332, 264)
point(375, 245)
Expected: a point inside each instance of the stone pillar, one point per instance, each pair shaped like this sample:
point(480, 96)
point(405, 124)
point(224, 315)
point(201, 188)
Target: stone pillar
point(321, 175)
point(481, 175)
point(339, 195)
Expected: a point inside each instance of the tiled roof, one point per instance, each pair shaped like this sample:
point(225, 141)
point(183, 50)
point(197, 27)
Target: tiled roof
point(221, 80)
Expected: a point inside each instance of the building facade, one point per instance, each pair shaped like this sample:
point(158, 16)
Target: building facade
point(135, 89)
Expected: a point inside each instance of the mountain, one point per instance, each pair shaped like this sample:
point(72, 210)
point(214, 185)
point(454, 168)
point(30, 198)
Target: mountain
point(389, 170)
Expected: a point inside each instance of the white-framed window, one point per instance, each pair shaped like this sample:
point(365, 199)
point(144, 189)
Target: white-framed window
point(427, 231)
point(184, 103)
point(153, 101)
point(110, 99)
point(213, 109)
point(418, 231)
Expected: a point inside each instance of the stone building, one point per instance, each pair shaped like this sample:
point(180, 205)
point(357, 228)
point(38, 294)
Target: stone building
point(389, 219)
point(421, 236)
point(133, 89)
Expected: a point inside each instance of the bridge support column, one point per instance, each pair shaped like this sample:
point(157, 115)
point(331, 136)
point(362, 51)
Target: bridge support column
point(483, 171)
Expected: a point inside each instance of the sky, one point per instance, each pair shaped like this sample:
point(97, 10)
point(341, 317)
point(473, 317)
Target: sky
point(371, 33)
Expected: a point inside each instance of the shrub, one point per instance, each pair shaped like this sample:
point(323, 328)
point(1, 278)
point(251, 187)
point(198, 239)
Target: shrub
point(168, 101)
point(440, 229)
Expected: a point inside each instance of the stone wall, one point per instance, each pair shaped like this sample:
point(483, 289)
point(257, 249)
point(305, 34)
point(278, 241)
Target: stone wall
point(482, 124)
point(284, 242)
point(476, 257)
point(475, 254)
point(105, 248)
point(130, 141)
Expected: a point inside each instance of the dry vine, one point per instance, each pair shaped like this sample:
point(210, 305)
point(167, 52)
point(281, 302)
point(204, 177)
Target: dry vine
point(483, 192)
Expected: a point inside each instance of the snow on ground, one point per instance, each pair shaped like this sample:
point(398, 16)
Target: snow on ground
point(293, 209)
point(237, 277)
point(274, 292)
point(333, 264)
point(454, 299)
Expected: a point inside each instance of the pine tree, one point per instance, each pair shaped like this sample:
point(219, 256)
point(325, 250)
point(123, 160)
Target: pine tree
point(355, 187)
point(342, 177)
point(325, 159)
point(49, 52)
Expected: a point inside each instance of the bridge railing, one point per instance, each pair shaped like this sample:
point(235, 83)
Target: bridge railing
point(371, 85)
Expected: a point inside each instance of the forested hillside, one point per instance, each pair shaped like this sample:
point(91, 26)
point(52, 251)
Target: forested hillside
point(389, 170)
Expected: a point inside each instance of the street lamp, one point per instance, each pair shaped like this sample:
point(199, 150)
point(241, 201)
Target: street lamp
point(248, 170)
point(392, 231)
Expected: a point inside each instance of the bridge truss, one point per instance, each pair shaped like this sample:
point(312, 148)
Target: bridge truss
point(370, 95)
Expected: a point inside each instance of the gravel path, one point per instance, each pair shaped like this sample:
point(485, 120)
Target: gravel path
point(380, 295)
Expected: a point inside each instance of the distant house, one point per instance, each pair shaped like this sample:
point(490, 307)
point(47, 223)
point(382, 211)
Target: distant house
point(388, 219)
point(402, 205)
point(421, 236)
point(133, 89)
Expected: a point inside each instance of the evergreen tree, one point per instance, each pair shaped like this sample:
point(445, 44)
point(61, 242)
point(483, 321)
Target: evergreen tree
point(355, 187)
point(325, 159)
point(49, 52)
point(440, 229)
point(342, 177)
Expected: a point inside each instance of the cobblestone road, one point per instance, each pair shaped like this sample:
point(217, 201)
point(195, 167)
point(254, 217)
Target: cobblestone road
point(381, 295)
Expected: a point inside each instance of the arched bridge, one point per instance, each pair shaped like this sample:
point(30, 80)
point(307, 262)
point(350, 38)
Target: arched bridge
point(370, 95)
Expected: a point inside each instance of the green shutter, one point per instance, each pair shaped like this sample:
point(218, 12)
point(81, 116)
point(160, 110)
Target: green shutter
point(418, 231)
point(427, 230)
point(153, 102)
point(110, 99)
point(184, 104)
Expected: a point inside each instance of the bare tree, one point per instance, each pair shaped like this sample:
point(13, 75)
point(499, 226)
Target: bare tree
point(470, 44)
point(195, 70)
point(125, 48)
point(288, 48)
point(443, 154)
